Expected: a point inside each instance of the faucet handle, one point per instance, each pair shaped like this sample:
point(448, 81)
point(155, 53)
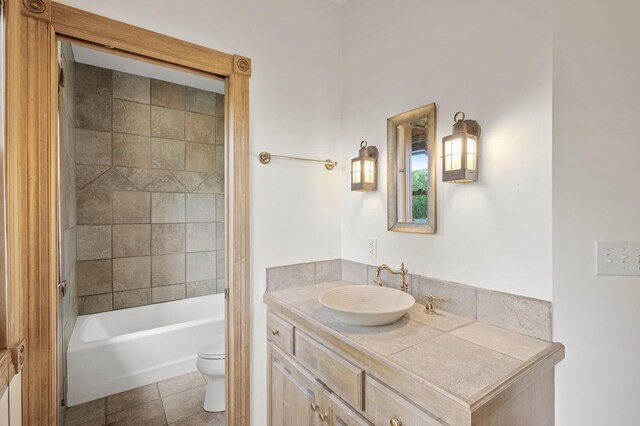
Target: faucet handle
point(428, 307)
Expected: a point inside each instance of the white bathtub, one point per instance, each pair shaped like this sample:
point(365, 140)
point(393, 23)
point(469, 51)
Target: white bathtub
point(114, 351)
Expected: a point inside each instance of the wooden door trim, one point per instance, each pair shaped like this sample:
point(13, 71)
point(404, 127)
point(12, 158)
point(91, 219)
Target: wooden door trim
point(33, 29)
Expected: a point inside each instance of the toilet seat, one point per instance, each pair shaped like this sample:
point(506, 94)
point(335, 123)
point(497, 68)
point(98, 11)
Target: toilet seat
point(212, 349)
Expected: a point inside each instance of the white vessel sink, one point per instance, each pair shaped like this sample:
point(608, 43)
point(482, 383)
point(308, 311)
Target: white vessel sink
point(367, 305)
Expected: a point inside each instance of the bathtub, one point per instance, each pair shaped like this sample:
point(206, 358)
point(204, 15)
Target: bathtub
point(115, 351)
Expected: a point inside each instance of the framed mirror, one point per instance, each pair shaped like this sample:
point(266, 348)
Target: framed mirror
point(411, 171)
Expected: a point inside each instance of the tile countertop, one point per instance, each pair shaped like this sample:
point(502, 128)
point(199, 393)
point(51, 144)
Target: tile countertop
point(463, 359)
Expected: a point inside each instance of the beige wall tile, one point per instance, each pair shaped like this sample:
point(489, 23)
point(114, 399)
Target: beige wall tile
point(93, 242)
point(93, 277)
point(131, 298)
point(93, 207)
point(220, 263)
point(168, 269)
point(461, 299)
point(167, 123)
point(94, 304)
point(200, 158)
point(167, 238)
point(131, 117)
point(220, 159)
point(131, 150)
point(131, 240)
point(219, 207)
point(201, 288)
point(140, 178)
point(200, 128)
point(93, 92)
point(131, 87)
point(201, 237)
point(166, 182)
point(167, 94)
point(167, 154)
point(93, 147)
point(220, 232)
point(219, 131)
point(131, 207)
point(111, 180)
point(190, 180)
point(167, 293)
point(220, 285)
point(214, 184)
point(219, 105)
point(328, 270)
point(167, 208)
point(69, 241)
point(285, 277)
point(201, 208)
point(354, 272)
point(201, 266)
point(87, 174)
point(201, 101)
point(520, 314)
point(131, 273)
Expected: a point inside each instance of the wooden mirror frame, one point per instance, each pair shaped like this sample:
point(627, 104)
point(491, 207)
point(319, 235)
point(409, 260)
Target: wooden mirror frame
point(392, 171)
point(33, 27)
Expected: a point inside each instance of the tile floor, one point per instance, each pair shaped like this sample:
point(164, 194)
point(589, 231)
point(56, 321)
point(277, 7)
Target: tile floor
point(176, 401)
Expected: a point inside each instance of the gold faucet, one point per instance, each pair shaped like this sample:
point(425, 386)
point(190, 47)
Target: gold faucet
point(404, 285)
point(428, 307)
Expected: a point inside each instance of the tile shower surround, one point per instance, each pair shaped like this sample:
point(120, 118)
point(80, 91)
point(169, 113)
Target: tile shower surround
point(150, 181)
point(521, 314)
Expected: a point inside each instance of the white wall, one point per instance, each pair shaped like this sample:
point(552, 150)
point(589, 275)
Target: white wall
point(596, 196)
point(295, 46)
point(492, 60)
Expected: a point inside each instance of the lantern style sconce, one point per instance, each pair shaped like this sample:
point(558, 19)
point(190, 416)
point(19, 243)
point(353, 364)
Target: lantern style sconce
point(364, 169)
point(460, 158)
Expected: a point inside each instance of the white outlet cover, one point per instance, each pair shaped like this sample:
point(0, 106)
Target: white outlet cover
point(618, 258)
point(372, 247)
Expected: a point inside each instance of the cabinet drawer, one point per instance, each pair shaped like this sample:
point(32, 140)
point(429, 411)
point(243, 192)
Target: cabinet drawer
point(383, 404)
point(342, 377)
point(280, 333)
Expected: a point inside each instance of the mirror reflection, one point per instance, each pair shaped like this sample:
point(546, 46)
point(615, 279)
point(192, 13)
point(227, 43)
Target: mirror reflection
point(411, 166)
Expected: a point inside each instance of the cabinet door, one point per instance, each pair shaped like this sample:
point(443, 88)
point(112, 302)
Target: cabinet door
point(294, 395)
point(341, 414)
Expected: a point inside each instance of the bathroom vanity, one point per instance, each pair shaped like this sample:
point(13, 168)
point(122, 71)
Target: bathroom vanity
point(424, 369)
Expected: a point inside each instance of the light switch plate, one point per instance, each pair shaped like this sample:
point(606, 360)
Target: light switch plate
point(617, 258)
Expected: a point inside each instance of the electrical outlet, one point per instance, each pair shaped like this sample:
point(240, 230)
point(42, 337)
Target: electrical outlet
point(617, 258)
point(373, 247)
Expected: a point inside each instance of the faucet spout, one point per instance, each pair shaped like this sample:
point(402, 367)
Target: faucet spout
point(402, 272)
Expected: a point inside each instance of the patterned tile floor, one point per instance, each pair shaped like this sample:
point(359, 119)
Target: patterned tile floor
point(174, 402)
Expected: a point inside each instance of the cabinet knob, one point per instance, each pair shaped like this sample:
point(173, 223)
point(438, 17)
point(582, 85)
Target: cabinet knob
point(395, 422)
point(275, 332)
point(323, 417)
point(314, 406)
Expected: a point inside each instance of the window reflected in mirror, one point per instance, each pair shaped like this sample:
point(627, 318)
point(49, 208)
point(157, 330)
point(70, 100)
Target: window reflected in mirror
point(411, 167)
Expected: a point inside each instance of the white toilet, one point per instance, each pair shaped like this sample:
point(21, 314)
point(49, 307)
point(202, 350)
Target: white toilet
point(211, 356)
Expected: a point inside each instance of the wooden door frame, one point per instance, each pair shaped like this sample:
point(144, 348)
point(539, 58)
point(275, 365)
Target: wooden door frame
point(33, 27)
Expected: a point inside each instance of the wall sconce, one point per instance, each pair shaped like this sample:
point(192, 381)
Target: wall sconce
point(364, 169)
point(460, 158)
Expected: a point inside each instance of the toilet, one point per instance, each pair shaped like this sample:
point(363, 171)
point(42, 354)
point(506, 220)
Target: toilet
point(211, 356)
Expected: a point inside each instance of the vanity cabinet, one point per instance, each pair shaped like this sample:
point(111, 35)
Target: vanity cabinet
point(322, 373)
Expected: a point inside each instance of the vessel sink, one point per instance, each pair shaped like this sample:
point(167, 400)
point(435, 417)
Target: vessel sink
point(367, 305)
